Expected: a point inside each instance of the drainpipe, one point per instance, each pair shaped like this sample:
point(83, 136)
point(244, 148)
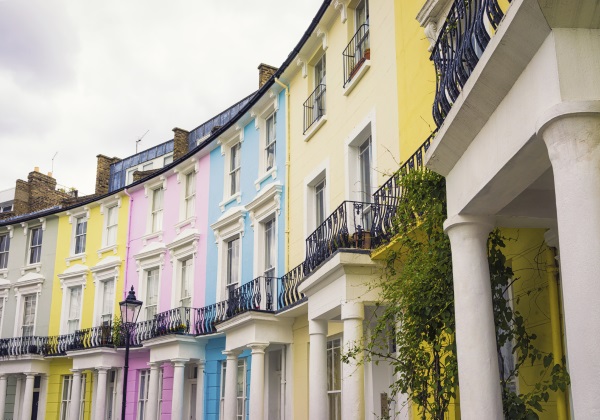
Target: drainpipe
point(555, 325)
point(287, 174)
point(127, 242)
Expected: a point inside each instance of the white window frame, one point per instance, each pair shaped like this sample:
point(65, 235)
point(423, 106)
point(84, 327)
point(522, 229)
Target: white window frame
point(3, 299)
point(81, 214)
point(145, 291)
point(75, 276)
point(186, 269)
point(65, 405)
point(184, 247)
point(29, 284)
point(30, 245)
point(357, 137)
point(106, 270)
point(320, 173)
point(243, 397)
point(5, 249)
point(263, 111)
point(228, 227)
point(79, 247)
point(228, 142)
point(142, 397)
point(150, 188)
point(111, 394)
point(73, 321)
point(150, 257)
point(232, 267)
point(183, 173)
point(334, 342)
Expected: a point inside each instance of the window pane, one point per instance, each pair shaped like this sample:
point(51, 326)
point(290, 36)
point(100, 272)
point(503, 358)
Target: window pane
point(29, 304)
point(233, 255)
point(320, 202)
point(365, 170)
point(4, 247)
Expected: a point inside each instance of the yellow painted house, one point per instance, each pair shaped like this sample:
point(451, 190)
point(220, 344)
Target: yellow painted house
point(90, 255)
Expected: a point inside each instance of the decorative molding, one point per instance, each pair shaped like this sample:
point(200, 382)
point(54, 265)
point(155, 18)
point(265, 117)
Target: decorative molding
point(237, 197)
point(271, 173)
point(226, 140)
point(343, 8)
point(230, 223)
point(322, 33)
point(158, 235)
point(3, 274)
point(432, 12)
point(78, 257)
point(191, 165)
point(11, 230)
point(151, 255)
point(74, 276)
point(85, 212)
point(265, 203)
point(184, 244)
point(301, 62)
point(109, 202)
point(106, 268)
point(37, 267)
point(43, 222)
point(154, 184)
point(106, 249)
point(190, 221)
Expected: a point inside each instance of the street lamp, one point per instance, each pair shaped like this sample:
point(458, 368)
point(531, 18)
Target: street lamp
point(130, 310)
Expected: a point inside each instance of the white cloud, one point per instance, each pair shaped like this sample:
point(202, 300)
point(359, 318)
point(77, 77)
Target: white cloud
point(86, 78)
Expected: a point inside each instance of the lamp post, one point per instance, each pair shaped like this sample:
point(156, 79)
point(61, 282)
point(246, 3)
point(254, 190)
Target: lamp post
point(130, 310)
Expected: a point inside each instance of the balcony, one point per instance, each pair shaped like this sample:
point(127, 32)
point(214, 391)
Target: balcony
point(356, 54)
point(387, 198)
point(463, 38)
point(288, 288)
point(314, 107)
point(353, 225)
point(256, 295)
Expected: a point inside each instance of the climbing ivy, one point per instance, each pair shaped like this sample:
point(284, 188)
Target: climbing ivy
point(414, 327)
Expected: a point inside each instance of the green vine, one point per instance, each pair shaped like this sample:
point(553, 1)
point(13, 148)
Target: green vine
point(415, 333)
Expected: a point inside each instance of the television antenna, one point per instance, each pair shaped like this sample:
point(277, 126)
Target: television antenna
point(52, 170)
point(139, 140)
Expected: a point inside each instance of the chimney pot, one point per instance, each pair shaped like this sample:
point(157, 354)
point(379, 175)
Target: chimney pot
point(36, 169)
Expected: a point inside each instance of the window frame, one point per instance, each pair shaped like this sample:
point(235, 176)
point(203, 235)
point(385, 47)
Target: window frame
point(4, 250)
point(22, 316)
point(142, 397)
point(76, 320)
point(157, 214)
point(31, 245)
point(334, 360)
point(320, 173)
point(270, 142)
point(189, 198)
point(235, 177)
point(146, 289)
point(79, 237)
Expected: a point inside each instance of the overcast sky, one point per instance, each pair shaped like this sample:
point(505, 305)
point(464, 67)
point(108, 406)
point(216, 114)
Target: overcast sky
point(82, 78)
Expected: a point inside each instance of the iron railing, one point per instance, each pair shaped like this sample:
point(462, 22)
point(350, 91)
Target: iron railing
point(314, 107)
point(356, 53)
point(95, 337)
point(173, 321)
point(387, 198)
point(464, 36)
point(256, 295)
point(288, 288)
point(208, 316)
point(19, 346)
point(349, 226)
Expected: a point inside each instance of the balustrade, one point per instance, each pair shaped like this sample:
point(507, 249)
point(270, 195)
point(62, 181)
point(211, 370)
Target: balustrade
point(356, 53)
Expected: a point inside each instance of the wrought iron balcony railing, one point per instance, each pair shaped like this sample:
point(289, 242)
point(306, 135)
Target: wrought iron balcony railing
point(349, 226)
point(208, 316)
point(463, 37)
point(256, 295)
point(288, 288)
point(95, 337)
point(173, 321)
point(314, 107)
point(356, 53)
point(20, 346)
point(389, 195)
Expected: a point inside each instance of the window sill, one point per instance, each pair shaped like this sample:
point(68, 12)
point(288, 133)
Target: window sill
point(77, 257)
point(4, 273)
point(358, 74)
point(235, 197)
point(152, 235)
point(315, 127)
point(36, 266)
point(107, 249)
point(190, 221)
point(270, 173)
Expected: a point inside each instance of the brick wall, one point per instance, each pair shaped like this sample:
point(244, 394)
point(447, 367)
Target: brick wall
point(265, 72)
point(103, 173)
point(180, 143)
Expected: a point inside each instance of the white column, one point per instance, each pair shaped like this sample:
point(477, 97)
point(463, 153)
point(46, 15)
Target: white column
point(100, 407)
point(477, 355)
point(317, 370)
point(18, 400)
point(28, 396)
point(257, 381)
point(3, 380)
point(75, 395)
point(152, 408)
point(200, 390)
point(353, 376)
point(178, 384)
point(573, 142)
point(41, 414)
point(230, 409)
point(119, 394)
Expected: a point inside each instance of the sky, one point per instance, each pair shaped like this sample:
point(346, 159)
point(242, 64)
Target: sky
point(80, 78)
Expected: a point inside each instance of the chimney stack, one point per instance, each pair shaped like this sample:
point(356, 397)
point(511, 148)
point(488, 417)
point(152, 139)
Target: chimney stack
point(103, 173)
point(265, 72)
point(180, 143)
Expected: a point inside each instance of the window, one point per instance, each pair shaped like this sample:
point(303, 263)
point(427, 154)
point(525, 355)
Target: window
point(362, 13)
point(65, 401)
point(270, 248)
point(157, 209)
point(320, 203)
point(320, 71)
point(107, 301)
point(79, 235)
point(168, 160)
point(111, 393)
point(151, 300)
point(2, 299)
point(190, 194)
point(74, 308)
point(334, 379)
point(271, 139)
point(364, 163)
point(233, 263)
point(148, 166)
point(35, 245)
point(143, 393)
point(4, 246)
point(29, 308)
point(112, 220)
point(160, 392)
point(240, 389)
point(186, 282)
point(234, 168)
